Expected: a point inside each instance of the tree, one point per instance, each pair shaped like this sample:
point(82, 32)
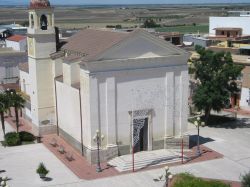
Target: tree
point(150, 23)
point(216, 74)
point(18, 103)
point(3, 108)
point(8, 93)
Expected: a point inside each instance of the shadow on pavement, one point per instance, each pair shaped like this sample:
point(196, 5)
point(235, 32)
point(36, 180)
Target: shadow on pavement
point(203, 140)
point(47, 179)
point(238, 123)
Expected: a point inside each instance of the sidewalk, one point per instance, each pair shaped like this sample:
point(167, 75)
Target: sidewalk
point(239, 111)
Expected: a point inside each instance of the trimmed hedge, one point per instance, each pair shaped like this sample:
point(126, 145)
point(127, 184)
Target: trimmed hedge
point(12, 139)
point(26, 136)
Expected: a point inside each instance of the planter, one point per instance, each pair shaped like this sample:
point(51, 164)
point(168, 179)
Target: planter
point(42, 175)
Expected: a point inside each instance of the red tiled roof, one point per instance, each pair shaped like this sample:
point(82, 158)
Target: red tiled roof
point(39, 4)
point(93, 42)
point(16, 38)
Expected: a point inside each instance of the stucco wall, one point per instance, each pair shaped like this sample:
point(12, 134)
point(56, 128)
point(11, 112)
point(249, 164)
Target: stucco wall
point(42, 88)
point(25, 83)
point(69, 110)
point(17, 46)
point(245, 96)
point(114, 94)
point(241, 22)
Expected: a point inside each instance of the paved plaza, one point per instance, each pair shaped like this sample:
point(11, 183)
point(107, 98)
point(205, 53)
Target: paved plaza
point(20, 162)
point(233, 143)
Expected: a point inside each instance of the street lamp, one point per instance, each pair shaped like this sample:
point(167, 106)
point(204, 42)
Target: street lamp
point(98, 139)
point(198, 123)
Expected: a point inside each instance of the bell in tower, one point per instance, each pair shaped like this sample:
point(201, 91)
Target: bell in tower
point(44, 22)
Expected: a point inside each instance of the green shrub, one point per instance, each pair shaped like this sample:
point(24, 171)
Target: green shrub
point(26, 136)
point(12, 139)
point(42, 169)
point(245, 180)
point(185, 179)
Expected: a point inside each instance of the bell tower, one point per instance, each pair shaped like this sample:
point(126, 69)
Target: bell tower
point(41, 43)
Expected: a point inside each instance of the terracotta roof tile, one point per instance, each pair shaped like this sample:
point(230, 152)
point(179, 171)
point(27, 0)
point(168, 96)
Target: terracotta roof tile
point(39, 4)
point(92, 42)
point(16, 38)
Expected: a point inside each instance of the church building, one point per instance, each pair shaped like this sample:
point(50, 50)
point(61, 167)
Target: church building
point(130, 86)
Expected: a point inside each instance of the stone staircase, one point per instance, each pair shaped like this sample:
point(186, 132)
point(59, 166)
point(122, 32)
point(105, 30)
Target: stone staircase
point(145, 159)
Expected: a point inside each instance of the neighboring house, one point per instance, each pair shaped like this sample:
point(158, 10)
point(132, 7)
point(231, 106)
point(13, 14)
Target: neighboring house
point(17, 43)
point(196, 40)
point(229, 25)
point(4, 33)
point(129, 86)
point(9, 72)
point(175, 38)
point(232, 30)
point(241, 13)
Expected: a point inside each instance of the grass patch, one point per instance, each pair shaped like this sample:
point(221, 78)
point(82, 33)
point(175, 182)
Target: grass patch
point(185, 29)
point(188, 180)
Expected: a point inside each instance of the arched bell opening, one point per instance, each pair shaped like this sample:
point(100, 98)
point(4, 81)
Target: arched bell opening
point(44, 22)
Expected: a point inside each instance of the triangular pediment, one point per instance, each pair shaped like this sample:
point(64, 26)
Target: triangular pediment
point(140, 44)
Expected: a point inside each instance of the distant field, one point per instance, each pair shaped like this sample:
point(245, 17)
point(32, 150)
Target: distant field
point(185, 29)
point(128, 16)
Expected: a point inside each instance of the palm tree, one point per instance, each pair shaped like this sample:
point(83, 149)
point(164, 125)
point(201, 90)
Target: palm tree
point(18, 103)
point(3, 108)
point(9, 93)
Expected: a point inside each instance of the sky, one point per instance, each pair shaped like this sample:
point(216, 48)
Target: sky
point(65, 2)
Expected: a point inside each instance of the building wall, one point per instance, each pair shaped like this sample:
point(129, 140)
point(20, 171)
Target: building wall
point(17, 46)
point(25, 83)
point(114, 94)
point(9, 74)
point(42, 88)
point(245, 97)
point(241, 22)
point(68, 104)
point(197, 40)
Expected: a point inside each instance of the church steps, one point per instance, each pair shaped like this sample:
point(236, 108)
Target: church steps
point(145, 159)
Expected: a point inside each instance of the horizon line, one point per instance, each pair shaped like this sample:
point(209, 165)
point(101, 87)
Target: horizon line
point(112, 4)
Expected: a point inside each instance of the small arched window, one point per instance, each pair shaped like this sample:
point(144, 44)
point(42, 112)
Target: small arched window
point(31, 20)
point(44, 22)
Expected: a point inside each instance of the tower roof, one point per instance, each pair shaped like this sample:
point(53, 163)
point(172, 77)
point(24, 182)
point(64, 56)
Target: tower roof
point(39, 4)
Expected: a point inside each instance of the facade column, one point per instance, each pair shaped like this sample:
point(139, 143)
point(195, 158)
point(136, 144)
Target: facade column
point(184, 102)
point(169, 105)
point(94, 108)
point(112, 149)
point(177, 102)
point(111, 110)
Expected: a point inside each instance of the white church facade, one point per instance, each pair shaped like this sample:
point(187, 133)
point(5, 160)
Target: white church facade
point(116, 82)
